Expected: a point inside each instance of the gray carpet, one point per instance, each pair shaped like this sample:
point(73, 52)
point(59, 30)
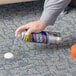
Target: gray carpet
point(35, 59)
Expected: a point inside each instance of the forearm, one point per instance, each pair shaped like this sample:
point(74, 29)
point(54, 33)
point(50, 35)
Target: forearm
point(52, 8)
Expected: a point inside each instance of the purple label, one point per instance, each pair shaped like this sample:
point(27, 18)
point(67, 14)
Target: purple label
point(40, 37)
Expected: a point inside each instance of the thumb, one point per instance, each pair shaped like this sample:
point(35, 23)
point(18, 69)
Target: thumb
point(29, 31)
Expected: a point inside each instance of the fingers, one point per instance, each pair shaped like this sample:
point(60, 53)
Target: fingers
point(20, 29)
point(29, 31)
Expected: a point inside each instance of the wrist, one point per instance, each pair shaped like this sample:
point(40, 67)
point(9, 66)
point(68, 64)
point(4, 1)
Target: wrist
point(42, 23)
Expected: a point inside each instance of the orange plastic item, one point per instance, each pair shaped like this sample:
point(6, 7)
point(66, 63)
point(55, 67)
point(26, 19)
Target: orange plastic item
point(73, 51)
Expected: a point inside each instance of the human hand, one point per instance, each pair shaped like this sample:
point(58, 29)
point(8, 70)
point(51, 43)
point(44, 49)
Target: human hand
point(36, 26)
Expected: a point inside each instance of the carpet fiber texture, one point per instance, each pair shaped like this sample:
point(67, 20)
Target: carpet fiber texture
point(36, 59)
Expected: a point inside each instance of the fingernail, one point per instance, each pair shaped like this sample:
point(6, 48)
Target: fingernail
point(17, 35)
point(26, 33)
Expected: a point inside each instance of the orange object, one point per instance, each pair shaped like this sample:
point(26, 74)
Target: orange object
point(73, 51)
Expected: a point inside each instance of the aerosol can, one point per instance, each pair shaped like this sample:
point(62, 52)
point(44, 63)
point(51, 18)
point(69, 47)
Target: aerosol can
point(42, 37)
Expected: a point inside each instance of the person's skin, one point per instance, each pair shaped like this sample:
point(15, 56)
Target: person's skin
point(35, 26)
point(52, 8)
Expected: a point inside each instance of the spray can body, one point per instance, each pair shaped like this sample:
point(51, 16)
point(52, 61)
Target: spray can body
point(42, 37)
